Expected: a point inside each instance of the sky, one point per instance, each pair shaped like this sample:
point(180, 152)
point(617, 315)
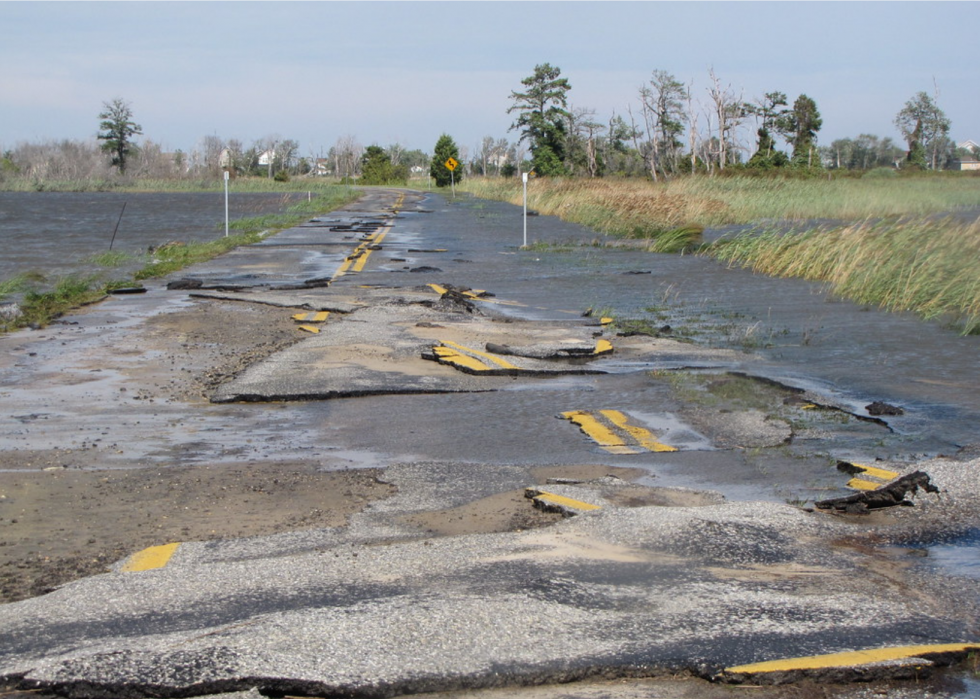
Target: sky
point(406, 72)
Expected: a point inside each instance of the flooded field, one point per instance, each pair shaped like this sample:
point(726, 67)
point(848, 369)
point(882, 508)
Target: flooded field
point(55, 233)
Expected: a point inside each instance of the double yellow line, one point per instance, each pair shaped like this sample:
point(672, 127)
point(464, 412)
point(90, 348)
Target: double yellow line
point(612, 430)
point(881, 477)
point(470, 360)
point(356, 261)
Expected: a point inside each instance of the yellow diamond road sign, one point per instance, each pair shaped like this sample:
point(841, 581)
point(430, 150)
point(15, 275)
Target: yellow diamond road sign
point(451, 163)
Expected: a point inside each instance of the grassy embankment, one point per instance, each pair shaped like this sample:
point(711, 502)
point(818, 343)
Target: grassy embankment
point(43, 300)
point(911, 263)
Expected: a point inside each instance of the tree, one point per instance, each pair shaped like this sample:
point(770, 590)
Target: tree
point(663, 112)
point(581, 150)
point(799, 126)
point(925, 128)
point(377, 168)
point(445, 149)
point(346, 156)
point(117, 130)
point(730, 111)
point(542, 115)
point(769, 111)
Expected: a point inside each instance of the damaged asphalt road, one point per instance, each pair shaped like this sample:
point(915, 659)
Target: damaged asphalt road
point(456, 402)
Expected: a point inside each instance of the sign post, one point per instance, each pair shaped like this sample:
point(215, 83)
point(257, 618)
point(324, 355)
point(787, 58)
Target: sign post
point(524, 177)
point(226, 203)
point(451, 164)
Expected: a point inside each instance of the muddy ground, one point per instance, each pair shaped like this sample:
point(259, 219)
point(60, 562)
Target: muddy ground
point(77, 518)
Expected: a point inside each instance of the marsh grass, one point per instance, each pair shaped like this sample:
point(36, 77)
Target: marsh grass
point(647, 210)
point(903, 262)
point(926, 266)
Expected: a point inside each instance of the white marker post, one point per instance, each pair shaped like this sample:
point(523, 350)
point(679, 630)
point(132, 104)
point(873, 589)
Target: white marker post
point(226, 203)
point(524, 177)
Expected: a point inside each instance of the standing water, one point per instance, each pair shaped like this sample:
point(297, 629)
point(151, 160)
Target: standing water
point(55, 233)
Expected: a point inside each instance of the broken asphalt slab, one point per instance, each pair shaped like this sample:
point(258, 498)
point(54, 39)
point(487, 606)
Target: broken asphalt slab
point(642, 591)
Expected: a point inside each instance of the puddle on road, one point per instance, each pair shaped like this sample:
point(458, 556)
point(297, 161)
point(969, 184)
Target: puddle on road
point(958, 556)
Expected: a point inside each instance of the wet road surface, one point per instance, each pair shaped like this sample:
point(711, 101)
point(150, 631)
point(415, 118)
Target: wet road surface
point(639, 583)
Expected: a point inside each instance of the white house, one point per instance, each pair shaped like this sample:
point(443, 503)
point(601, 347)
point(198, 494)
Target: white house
point(967, 162)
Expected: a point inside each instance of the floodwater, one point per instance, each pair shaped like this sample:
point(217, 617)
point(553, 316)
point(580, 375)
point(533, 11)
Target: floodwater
point(55, 232)
point(791, 330)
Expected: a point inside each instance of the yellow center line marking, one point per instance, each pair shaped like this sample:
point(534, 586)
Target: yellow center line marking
point(362, 260)
point(317, 317)
point(150, 558)
point(598, 432)
point(503, 363)
point(565, 502)
point(643, 436)
point(850, 658)
point(602, 347)
point(451, 356)
point(609, 439)
point(310, 329)
point(881, 473)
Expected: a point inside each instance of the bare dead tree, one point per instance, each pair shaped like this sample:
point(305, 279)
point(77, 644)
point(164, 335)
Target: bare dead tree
point(692, 127)
point(730, 112)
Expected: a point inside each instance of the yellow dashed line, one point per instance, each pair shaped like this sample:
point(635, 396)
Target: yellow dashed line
point(310, 329)
point(150, 558)
point(848, 659)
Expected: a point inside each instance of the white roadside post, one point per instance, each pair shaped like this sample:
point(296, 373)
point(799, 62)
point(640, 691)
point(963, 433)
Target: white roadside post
point(226, 203)
point(524, 177)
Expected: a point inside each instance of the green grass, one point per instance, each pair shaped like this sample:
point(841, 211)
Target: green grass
point(926, 266)
point(38, 308)
point(110, 259)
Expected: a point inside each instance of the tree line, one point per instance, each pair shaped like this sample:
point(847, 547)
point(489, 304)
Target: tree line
point(673, 128)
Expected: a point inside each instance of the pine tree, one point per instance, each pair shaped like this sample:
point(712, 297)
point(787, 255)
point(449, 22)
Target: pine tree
point(444, 150)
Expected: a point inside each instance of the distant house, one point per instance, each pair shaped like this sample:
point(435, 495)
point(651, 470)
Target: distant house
point(321, 167)
point(967, 162)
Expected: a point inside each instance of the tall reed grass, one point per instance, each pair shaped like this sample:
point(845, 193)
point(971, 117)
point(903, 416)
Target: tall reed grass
point(641, 209)
point(905, 261)
point(922, 265)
